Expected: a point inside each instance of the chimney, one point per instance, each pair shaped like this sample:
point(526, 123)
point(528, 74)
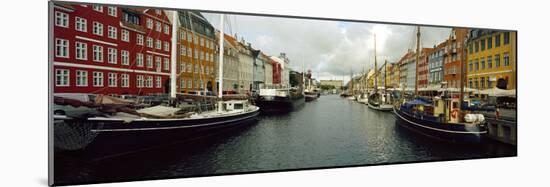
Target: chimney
point(249, 45)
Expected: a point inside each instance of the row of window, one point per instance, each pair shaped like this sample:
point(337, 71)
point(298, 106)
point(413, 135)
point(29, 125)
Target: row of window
point(196, 39)
point(81, 50)
point(188, 83)
point(195, 68)
point(111, 11)
point(81, 24)
point(62, 79)
point(487, 63)
point(188, 51)
point(159, 27)
point(480, 83)
point(487, 43)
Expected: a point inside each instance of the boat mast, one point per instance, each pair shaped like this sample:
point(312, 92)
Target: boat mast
point(461, 95)
point(220, 66)
point(417, 58)
point(174, 61)
point(385, 70)
point(375, 68)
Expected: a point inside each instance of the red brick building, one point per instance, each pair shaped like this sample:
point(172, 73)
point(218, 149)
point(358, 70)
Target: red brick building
point(110, 50)
point(277, 71)
point(453, 52)
point(423, 67)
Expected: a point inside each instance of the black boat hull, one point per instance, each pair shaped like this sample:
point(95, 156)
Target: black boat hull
point(278, 104)
point(455, 133)
point(117, 138)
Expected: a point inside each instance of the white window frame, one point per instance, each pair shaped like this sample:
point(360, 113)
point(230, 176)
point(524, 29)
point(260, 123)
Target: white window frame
point(112, 80)
point(158, 82)
point(166, 64)
point(97, 53)
point(62, 77)
point(158, 44)
point(124, 57)
point(81, 78)
point(149, 61)
point(97, 28)
point(125, 80)
point(81, 51)
point(61, 19)
point(111, 32)
point(166, 29)
point(158, 27)
point(166, 46)
point(139, 39)
point(139, 59)
point(98, 8)
point(149, 23)
point(139, 81)
point(158, 63)
point(62, 48)
point(149, 81)
point(112, 55)
point(98, 79)
point(81, 24)
point(111, 10)
point(183, 50)
point(125, 35)
point(149, 42)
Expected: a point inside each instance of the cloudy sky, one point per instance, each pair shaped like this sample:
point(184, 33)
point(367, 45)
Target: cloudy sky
point(331, 49)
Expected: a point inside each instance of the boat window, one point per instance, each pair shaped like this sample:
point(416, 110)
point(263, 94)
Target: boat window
point(238, 106)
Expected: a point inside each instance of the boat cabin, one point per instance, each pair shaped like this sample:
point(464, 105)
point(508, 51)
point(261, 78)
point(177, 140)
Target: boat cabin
point(447, 108)
point(235, 105)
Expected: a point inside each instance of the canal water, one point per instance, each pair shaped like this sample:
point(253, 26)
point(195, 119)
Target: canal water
point(329, 132)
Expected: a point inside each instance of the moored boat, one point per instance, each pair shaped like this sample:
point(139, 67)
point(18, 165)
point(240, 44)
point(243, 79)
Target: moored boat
point(122, 133)
point(442, 117)
point(278, 98)
point(439, 122)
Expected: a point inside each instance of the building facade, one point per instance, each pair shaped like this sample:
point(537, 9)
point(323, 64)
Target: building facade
point(491, 59)
point(196, 47)
point(452, 57)
point(268, 68)
point(110, 50)
point(423, 67)
point(336, 83)
point(246, 69)
point(407, 70)
point(230, 64)
point(259, 69)
point(277, 70)
point(435, 65)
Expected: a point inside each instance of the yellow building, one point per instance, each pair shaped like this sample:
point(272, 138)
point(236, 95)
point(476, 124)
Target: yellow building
point(491, 59)
point(196, 58)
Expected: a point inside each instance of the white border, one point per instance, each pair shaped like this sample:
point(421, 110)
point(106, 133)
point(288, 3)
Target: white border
point(24, 145)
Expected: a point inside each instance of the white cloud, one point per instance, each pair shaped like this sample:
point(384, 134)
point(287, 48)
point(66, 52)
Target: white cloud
point(330, 48)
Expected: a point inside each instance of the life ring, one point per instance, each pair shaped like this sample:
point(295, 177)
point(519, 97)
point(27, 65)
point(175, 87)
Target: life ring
point(454, 113)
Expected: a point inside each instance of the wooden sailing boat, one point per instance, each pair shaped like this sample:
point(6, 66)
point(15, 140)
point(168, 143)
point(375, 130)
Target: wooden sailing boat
point(118, 133)
point(376, 99)
point(441, 117)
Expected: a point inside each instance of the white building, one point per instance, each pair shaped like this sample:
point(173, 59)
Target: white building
point(230, 64)
point(246, 67)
